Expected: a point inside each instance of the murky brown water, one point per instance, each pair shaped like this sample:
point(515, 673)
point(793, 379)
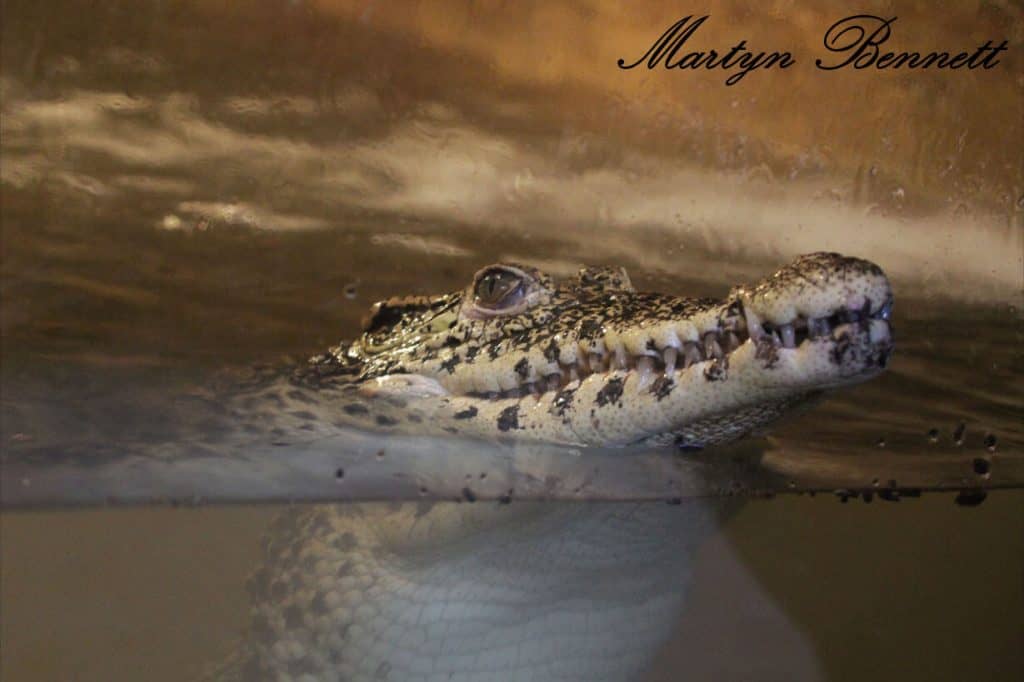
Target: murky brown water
point(189, 189)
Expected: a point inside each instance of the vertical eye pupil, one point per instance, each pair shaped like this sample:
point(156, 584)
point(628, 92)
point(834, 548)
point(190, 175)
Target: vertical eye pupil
point(495, 287)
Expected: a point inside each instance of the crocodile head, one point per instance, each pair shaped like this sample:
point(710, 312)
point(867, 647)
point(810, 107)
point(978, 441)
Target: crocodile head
point(593, 361)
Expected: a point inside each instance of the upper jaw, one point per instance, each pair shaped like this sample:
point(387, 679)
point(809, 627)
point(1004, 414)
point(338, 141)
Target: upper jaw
point(792, 332)
point(817, 286)
point(820, 298)
point(666, 349)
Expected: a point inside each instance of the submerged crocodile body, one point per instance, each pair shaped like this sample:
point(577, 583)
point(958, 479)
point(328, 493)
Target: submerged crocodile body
point(543, 591)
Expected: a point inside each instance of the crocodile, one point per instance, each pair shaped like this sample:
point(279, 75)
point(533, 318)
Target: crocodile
point(592, 361)
point(535, 591)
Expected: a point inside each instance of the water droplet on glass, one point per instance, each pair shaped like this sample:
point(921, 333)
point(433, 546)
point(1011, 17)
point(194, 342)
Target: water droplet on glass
point(971, 498)
point(982, 466)
point(933, 435)
point(990, 442)
point(958, 434)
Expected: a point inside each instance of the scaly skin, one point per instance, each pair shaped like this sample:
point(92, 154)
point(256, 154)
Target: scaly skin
point(594, 362)
point(533, 591)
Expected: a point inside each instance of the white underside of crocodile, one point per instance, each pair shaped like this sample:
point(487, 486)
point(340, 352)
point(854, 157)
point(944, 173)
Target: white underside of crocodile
point(528, 591)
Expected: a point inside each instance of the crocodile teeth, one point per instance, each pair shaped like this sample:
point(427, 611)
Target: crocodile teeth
point(691, 354)
point(712, 349)
point(650, 360)
point(670, 360)
point(788, 335)
point(645, 370)
point(753, 324)
point(879, 332)
point(620, 358)
point(583, 359)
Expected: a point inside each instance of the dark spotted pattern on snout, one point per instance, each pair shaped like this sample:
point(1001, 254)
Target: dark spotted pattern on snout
point(563, 401)
point(552, 351)
point(610, 393)
point(467, 413)
point(662, 386)
point(509, 418)
point(843, 346)
point(767, 352)
point(717, 370)
point(354, 409)
point(451, 363)
point(591, 329)
point(522, 368)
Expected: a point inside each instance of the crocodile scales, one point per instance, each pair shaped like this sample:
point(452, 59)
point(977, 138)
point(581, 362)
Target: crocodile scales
point(591, 361)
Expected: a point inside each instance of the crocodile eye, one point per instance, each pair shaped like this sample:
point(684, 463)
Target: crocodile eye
point(498, 288)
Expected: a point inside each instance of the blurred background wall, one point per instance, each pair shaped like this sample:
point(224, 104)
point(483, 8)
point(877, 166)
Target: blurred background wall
point(292, 115)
